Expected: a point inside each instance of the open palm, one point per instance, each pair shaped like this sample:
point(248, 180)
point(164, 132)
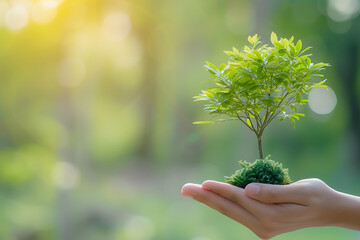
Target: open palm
point(270, 210)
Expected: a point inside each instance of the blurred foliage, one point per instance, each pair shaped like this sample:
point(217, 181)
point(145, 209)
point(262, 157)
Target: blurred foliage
point(96, 137)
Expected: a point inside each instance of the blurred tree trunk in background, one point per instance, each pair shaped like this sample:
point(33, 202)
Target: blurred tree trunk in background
point(66, 154)
point(145, 25)
point(262, 13)
point(346, 49)
point(148, 101)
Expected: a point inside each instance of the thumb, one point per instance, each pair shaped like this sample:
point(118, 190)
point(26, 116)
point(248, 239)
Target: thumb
point(268, 193)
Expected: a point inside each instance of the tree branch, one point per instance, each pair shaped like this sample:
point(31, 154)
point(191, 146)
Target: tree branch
point(246, 123)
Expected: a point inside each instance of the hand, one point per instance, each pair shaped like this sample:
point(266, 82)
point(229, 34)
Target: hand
point(270, 210)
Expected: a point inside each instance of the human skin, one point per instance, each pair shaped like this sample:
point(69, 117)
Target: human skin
point(269, 210)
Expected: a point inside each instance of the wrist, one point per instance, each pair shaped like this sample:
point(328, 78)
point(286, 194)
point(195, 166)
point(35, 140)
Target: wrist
point(347, 211)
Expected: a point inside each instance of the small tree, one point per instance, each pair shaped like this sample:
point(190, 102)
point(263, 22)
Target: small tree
point(261, 83)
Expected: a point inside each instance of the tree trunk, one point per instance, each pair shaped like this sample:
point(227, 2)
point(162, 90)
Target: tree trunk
point(346, 50)
point(149, 87)
point(66, 154)
point(260, 147)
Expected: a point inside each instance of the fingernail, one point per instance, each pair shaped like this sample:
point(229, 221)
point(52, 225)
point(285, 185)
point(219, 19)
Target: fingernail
point(186, 191)
point(252, 189)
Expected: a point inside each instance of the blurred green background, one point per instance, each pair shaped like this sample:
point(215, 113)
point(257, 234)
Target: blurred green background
point(96, 112)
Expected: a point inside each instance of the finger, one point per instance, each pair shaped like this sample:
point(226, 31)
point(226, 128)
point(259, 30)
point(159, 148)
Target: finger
point(220, 204)
point(236, 195)
point(189, 189)
point(268, 193)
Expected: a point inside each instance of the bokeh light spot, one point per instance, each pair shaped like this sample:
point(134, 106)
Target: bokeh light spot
point(17, 17)
point(128, 54)
point(4, 7)
point(65, 175)
point(139, 228)
point(343, 10)
point(44, 12)
point(322, 100)
point(116, 26)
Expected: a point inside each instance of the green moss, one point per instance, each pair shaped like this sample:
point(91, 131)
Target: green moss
point(260, 171)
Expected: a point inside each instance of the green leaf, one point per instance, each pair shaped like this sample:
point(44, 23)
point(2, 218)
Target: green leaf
point(255, 39)
point(292, 121)
point(247, 48)
point(298, 46)
point(203, 122)
point(292, 50)
point(277, 98)
point(222, 66)
point(231, 54)
point(306, 49)
point(303, 62)
point(212, 70)
point(257, 53)
point(251, 41)
point(209, 94)
point(236, 51)
point(319, 65)
point(201, 98)
point(319, 84)
point(278, 45)
point(248, 122)
point(273, 38)
point(294, 116)
point(211, 65)
point(291, 40)
point(284, 42)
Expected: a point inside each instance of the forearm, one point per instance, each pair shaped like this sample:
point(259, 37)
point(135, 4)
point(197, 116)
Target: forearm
point(347, 208)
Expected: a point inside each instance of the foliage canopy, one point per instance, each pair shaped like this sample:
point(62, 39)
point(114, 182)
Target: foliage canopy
point(260, 83)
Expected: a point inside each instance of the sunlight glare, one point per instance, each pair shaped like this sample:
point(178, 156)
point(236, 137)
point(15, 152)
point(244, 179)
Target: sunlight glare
point(17, 17)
